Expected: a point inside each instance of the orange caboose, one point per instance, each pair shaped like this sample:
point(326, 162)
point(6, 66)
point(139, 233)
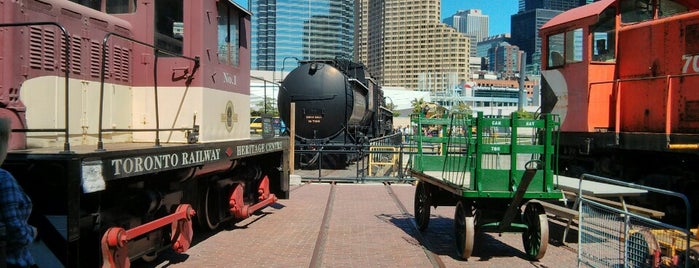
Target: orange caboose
point(623, 75)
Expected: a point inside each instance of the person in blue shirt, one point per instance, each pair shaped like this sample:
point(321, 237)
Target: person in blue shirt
point(15, 207)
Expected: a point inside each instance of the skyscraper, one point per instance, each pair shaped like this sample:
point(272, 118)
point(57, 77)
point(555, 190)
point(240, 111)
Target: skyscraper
point(503, 59)
point(532, 15)
point(471, 22)
point(402, 49)
point(287, 29)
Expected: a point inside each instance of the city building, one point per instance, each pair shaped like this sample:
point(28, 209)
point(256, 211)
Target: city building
point(492, 97)
point(483, 46)
point(402, 49)
point(284, 31)
point(526, 23)
point(503, 59)
point(561, 5)
point(471, 22)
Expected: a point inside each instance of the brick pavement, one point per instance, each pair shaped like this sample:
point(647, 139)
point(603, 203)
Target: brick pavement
point(366, 229)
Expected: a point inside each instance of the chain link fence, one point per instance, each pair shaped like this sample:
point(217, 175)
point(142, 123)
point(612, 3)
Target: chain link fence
point(613, 237)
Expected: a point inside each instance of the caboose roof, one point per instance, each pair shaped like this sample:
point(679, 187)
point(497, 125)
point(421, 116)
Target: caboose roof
point(592, 9)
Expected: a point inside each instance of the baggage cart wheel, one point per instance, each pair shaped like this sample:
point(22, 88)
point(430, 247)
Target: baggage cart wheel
point(423, 201)
point(464, 229)
point(536, 237)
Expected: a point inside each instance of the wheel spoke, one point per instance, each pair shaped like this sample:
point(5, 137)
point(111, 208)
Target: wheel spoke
point(422, 206)
point(535, 238)
point(464, 229)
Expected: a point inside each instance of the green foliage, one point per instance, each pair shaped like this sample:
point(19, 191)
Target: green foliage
point(461, 108)
point(417, 105)
point(526, 115)
point(271, 104)
point(392, 107)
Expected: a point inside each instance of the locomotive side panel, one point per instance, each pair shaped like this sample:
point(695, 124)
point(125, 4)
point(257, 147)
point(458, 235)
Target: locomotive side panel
point(35, 75)
point(211, 94)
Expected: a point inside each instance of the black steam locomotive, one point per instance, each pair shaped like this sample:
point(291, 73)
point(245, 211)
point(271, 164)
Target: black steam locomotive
point(338, 107)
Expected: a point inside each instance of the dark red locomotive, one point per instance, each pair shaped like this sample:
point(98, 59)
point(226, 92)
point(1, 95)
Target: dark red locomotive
point(130, 122)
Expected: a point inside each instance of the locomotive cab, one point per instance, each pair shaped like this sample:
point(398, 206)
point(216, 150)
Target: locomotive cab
point(578, 52)
point(594, 55)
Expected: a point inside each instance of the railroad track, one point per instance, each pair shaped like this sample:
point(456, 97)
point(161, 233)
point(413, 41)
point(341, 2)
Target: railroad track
point(424, 243)
point(319, 249)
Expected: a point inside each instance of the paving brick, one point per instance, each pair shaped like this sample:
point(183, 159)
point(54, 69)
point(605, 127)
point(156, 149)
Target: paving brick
point(366, 229)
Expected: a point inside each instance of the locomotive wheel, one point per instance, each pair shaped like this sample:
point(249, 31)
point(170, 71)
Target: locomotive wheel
point(536, 237)
point(642, 246)
point(211, 208)
point(464, 229)
point(423, 201)
point(150, 257)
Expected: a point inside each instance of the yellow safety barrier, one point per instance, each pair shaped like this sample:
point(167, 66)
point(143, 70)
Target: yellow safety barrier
point(383, 161)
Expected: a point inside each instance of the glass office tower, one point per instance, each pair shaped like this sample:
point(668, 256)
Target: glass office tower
point(303, 30)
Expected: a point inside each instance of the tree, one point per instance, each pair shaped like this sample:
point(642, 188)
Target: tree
point(428, 109)
point(271, 108)
point(461, 108)
point(392, 107)
point(417, 105)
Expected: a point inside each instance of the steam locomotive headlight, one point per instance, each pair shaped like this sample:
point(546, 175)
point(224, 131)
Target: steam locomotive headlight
point(92, 178)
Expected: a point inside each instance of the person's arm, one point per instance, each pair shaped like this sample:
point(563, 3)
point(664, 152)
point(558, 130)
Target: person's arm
point(13, 213)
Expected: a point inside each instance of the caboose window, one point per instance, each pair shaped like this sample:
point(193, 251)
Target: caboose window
point(169, 25)
point(228, 34)
point(603, 36)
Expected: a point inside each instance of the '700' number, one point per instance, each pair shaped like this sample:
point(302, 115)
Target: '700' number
point(690, 60)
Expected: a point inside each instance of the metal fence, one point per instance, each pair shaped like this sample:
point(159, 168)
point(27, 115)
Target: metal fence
point(613, 237)
point(382, 159)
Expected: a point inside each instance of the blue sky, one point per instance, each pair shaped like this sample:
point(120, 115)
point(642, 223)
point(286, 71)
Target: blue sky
point(498, 11)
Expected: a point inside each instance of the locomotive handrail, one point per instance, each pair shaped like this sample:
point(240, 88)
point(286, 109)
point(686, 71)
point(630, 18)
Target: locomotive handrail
point(66, 52)
point(617, 105)
point(100, 144)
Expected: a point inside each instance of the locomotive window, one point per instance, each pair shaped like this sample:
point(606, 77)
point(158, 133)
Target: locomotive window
point(169, 26)
point(555, 49)
point(228, 35)
point(113, 6)
point(636, 10)
point(603, 36)
point(668, 8)
point(94, 4)
point(121, 6)
point(574, 46)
